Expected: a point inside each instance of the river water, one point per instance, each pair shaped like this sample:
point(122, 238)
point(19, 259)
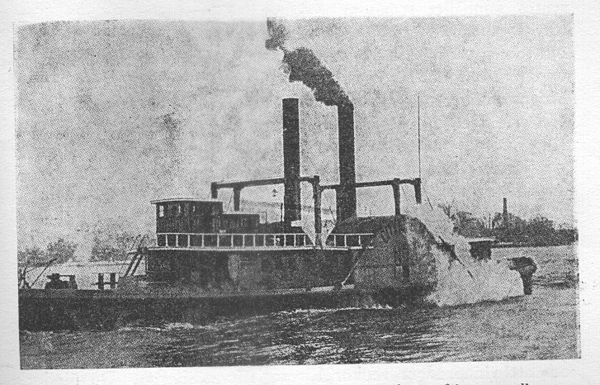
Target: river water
point(543, 325)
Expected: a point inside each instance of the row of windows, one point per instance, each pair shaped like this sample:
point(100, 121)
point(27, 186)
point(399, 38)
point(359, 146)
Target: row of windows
point(231, 223)
point(180, 209)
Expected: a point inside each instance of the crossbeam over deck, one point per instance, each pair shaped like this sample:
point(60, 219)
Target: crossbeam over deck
point(395, 183)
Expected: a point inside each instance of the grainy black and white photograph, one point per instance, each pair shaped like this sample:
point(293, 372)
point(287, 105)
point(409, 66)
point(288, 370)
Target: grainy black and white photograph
point(295, 191)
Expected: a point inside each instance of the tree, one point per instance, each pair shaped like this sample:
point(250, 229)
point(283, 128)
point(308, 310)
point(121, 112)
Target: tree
point(102, 251)
point(111, 247)
point(464, 222)
point(467, 225)
point(447, 209)
point(540, 231)
point(60, 250)
point(33, 256)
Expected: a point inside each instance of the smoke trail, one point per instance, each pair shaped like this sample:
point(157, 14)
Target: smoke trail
point(305, 67)
point(277, 35)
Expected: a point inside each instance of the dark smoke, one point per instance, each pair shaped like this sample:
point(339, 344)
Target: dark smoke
point(277, 35)
point(305, 67)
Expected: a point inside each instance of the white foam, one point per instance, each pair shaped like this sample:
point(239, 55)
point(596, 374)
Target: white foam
point(178, 325)
point(475, 281)
point(467, 280)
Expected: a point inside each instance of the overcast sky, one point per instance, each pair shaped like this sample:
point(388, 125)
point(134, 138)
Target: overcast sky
point(113, 114)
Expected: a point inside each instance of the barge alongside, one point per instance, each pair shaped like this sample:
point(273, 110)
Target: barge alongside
point(207, 263)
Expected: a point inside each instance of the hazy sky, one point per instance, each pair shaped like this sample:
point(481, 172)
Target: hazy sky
point(113, 114)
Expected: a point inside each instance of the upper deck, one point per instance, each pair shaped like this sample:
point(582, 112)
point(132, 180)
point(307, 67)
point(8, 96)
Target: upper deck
point(201, 225)
point(189, 215)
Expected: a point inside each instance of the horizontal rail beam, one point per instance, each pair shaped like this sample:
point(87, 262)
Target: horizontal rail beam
point(238, 234)
point(263, 248)
point(388, 182)
point(255, 182)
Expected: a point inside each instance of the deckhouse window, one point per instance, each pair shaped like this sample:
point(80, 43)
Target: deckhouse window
point(161, 211)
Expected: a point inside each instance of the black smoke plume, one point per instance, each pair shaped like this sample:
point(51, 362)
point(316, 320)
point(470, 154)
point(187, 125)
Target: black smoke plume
point(277, 35)
point(305, 67)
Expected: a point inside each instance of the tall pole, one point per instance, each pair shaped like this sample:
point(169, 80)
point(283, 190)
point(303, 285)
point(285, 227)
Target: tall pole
point(317, 203)
point(419, 132)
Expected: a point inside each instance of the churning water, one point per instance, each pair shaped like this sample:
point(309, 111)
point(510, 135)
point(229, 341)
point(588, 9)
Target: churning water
point(543, 325)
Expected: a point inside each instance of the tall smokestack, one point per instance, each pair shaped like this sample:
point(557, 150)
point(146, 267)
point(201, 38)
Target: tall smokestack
point(504, 211)
point(304, 66)
point(291, 161)
point(346, 195)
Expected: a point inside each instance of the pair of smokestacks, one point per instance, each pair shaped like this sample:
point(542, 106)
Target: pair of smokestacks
point(346, 193)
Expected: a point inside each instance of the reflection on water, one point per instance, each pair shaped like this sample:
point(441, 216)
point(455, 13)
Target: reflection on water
point(540, 326)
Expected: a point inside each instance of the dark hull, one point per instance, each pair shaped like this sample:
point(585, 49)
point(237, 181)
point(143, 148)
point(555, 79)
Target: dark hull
point(106, 310)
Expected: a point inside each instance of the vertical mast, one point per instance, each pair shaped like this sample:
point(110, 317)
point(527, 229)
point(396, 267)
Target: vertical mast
point(419, 132)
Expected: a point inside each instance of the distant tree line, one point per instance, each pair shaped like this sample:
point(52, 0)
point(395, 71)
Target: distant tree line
point(105, 247)
point(111, 247)
point(539, 231)
point(60, 251)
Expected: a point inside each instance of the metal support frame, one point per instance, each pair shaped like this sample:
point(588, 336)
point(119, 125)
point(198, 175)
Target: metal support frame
point(318, 189)
point(237, 192)
point(239, 185)
point(395, 183)
point(396, 191)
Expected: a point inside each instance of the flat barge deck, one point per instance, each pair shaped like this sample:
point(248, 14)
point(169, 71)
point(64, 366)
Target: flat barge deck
point(106, 310)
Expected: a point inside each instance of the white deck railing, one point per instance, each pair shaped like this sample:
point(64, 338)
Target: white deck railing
point(271, 240)
point(349, 240)
point(231, 240)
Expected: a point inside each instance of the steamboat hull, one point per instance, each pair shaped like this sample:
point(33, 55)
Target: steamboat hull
point(107, 310)
point(385, 261)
